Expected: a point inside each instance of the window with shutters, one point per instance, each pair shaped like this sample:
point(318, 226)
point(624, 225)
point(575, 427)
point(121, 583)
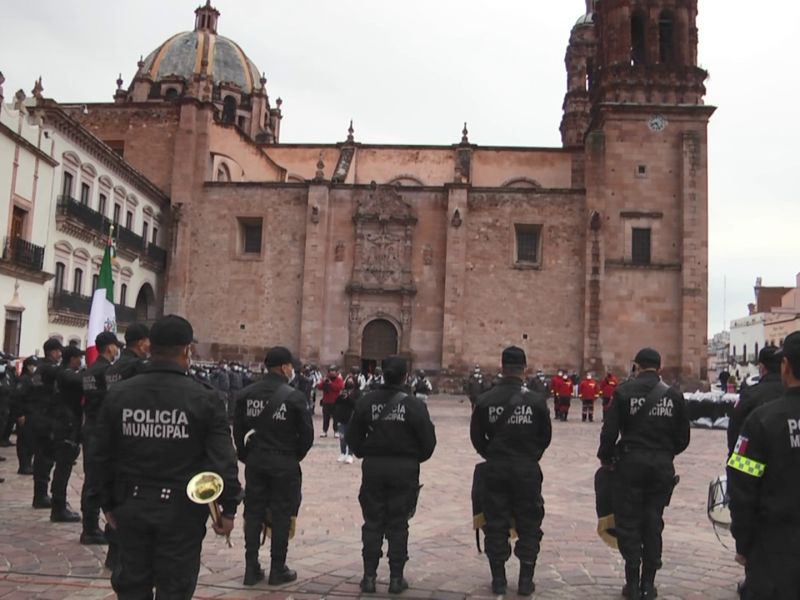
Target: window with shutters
point(640, 246)
point(117, 211)
point(77, 284)
point(59, 282)
point(250, 236)
point(528, 241)
point(101, 206)
point(123, 294)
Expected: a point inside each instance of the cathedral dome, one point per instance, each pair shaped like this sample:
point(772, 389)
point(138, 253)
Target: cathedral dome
point(190, 53)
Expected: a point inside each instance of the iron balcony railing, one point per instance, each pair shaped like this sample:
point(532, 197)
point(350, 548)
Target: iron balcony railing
point(64, 301)
point(68, 206)
point(157, 254)
point(23, 253)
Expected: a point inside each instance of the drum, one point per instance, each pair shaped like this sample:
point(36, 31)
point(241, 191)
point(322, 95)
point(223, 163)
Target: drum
point(719, 512)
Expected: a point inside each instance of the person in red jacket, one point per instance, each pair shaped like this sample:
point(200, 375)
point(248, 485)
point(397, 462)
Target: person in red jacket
point(554, 383)
point(607, 387)
point(565, 389)
point(589, 391)
point(331, 387)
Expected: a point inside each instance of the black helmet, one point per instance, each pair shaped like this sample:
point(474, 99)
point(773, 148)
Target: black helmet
point(421, 373)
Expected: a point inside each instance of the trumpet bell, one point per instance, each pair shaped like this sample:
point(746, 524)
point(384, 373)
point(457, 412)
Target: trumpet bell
point(205, 488)
point(719, 512)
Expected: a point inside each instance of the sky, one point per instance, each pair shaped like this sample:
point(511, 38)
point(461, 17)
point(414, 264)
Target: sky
point(413, 72)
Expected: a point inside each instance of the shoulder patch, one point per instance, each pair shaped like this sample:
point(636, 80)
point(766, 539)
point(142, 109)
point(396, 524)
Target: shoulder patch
point(741, 445)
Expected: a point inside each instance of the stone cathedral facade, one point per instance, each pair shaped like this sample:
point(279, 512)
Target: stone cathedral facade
point(348, 252)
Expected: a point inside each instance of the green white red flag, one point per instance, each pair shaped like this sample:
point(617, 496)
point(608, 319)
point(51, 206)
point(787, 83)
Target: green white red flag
point(103, 316)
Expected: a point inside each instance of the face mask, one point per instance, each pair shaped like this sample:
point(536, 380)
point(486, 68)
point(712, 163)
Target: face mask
point(83, 363)
point(2, 369)
point(292, 376)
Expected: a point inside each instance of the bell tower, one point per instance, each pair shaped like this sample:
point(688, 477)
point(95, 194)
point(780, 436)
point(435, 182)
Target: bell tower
point(647, 189)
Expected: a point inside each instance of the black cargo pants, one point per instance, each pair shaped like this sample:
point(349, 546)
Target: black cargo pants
point(643, 484)
point(274, 483)
point(388, 497)
point(90, 494)
point(160, 541)
point(772, 565)
point(513, 489)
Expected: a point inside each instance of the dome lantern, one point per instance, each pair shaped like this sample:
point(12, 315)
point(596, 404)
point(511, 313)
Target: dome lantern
point(206, 18)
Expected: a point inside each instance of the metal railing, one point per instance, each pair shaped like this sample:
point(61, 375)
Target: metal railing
point(68, 206)
point(157, 254)
point(125, 314)
point(62, 300)
point(23, 253)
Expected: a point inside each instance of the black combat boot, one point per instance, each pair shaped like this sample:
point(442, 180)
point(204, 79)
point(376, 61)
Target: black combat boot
point(499, 581)
point(253, 573)
point(526, 587)
point(631, 589)
point(591, 418)
point(397, 583)
point(25, 470)
point(40, 497)
point(369, 582)
point(279, 574)
point(92, 535)
point(63, 513)
point(648, 589)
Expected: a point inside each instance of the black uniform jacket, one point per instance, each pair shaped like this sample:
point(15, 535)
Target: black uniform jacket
point(769, 388)
point(39, 394)
point(160, 429)
point(764, 477)
point(280, 428)
point(126, 366)
point(69, 395)
point(405, 431)
point(94, 386)
point(665, 429)
point(525, 435)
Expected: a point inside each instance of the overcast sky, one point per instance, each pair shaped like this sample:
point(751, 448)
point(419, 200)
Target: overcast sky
point(412, 72)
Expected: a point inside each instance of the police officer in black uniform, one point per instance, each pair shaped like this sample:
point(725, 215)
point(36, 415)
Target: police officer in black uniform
point(392, 431)
point(132, 359)
point(644, 474)
point(94, 389)
point(39, 406)
point(157, 431)
point(273, 431)
point(768, 388)
point(512, 446)
point(764, 489)
point(26, 441)
point(66, 428)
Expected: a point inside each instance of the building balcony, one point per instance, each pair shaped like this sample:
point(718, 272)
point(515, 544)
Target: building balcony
point(85, 223)
point(69, 308)
point(23, 260)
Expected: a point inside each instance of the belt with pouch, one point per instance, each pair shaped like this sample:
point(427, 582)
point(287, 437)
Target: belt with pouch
point(153, 492)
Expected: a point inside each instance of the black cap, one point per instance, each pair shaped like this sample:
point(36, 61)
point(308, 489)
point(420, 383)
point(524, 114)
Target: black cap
point(514, 357)
point(647, 358)
point(770, 358)
point(395, 364)
point(172, 330)
point(71, 352)
point(31, 360)
point(53, 344)
point(278, 356)
point(790, 349)
point(136, 332)
point(106, 338)
point(333, 368)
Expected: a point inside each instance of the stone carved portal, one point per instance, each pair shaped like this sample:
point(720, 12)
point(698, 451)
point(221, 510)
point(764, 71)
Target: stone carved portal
point(381, 285)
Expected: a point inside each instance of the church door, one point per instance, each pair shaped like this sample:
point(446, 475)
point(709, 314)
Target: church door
point(379, 341)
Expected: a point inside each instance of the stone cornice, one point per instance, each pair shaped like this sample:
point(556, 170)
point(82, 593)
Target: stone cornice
point(18, 272)
point(71, 128)
point(40, 154)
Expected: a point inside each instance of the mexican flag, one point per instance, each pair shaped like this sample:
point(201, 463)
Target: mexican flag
point(103, 315)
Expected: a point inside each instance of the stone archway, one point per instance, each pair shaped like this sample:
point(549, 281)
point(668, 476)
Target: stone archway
point(146, 304)
point(379, 340)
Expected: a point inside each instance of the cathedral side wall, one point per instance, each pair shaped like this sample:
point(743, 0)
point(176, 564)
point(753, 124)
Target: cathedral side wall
point(146, 134)
point(427, 263)
point(495, 167)
point(227, 289)
point(233, 146)
point(431, 166)
point(504, 301)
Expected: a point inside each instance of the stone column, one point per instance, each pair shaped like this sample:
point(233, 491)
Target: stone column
point(694, 277)
point(595, 250)
point(455, 275)
point(316, 260)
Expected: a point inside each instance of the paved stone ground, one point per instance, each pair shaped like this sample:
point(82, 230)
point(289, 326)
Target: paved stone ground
point(43, 560)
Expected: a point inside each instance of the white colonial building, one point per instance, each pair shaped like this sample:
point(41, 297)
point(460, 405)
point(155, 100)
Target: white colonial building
point(89, 188)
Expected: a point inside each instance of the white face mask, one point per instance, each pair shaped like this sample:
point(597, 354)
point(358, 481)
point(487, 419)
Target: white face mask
point(2, 368)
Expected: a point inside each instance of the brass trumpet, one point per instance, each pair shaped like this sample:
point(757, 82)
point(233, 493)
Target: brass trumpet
point(205, 488)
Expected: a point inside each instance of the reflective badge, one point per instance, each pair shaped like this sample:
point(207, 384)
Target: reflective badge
point(746, 465)
point(741, 445)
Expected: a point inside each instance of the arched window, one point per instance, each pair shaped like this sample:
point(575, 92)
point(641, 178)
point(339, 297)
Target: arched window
point(77, 282)
point(666, 37)
point(638, 39)
point(171, 95)
point(223, 174)
point(95, 280)
point(123, 294)
point(744, 353)
point(229, 109)
point(756, 361)
point(59, 282)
